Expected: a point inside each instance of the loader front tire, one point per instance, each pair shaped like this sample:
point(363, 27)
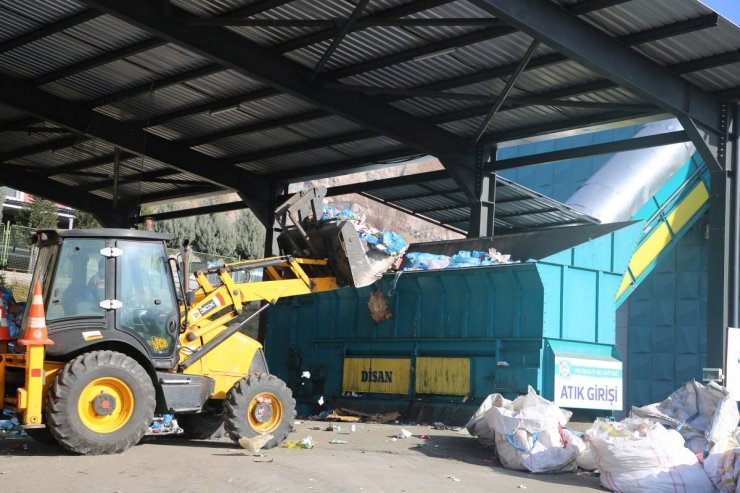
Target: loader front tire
point(102, 402)
point(259, 404)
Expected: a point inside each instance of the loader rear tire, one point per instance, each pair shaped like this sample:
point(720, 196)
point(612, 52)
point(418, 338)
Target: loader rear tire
point(259, 404)
point(101, 402)
point(202, 426)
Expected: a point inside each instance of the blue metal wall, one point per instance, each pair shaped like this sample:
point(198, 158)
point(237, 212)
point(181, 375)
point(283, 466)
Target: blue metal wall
point(667, 336)
point(663, 323)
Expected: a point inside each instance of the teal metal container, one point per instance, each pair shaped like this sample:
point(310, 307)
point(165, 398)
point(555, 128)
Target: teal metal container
point(493, 322)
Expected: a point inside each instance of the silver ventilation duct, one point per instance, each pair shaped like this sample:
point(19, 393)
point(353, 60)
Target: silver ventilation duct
point(630, 178)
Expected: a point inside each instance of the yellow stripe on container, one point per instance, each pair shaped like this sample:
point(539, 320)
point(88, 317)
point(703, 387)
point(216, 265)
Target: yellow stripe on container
point(445, 376)
point(377, 375)
point(661, 236)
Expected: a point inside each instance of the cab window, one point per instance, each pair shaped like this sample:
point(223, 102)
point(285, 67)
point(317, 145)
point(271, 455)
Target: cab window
point(79, 284)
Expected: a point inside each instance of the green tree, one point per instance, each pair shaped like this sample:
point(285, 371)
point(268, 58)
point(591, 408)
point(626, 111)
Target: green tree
point(214, 234)
point(39, 214)
point(85, 220)
point(250, 235)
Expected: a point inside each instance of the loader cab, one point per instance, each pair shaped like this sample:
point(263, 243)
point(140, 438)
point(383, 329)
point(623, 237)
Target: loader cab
point(109, 286)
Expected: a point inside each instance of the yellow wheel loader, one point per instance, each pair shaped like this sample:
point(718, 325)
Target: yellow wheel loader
point(132, 337)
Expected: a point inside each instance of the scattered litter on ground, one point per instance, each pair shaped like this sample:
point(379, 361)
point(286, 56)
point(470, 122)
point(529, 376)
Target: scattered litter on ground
point(522, 487)
point(403, 434)
point(164, 425)
point(306, 443)
point(336, 416)
point(439, 426)
point(424, 437)
point(449, 476)
point(334, 441)
point(254, 444)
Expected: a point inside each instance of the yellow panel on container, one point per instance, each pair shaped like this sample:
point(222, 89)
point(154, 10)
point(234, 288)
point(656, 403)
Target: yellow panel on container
point(661, 236)
point(447, 376)
point(379, 375)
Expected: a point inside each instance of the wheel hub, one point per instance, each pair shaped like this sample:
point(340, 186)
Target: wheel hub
point(263, 411)
point(104, 404)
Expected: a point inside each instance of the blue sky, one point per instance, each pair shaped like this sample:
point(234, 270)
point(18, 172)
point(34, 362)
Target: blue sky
point(726, 8)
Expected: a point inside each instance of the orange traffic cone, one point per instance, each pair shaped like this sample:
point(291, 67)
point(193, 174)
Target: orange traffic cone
point(36, 334)
point(4, 328)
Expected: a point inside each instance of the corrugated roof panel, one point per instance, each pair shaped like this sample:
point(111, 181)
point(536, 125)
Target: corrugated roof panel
point(163, 101)
point(241, 144)
point(99, 81)
point(324, 127)
point(46, 55)
point(276, 106)
point(107, 33)
point(13, 25)
point(359, 148)
point(43, 11)
point(294, 161)
point(724, 77)
point(202, 124)
point(224, 84)
point(641, 15)
point(168, 59)
point(693, 46)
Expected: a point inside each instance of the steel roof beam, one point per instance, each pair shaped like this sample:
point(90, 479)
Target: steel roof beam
point(177, 193)
point(81, 119)
point(393, 94)
point(398, 181)
point(147, 176)
point(412, 213)
point(46, 146)
point(105, 58)
point(256, 61)
point(353, 165)
point(155, 85)
point(199, 211)
point(254, 127)
point(400, 11)
point(55, 191)
point(590, 5)
point(49, 29)
point(506, 90)
point(592, 150)
point(359, 24)
point(307, 145)
point(206, 107)
point(608, 57)
point(337, 40)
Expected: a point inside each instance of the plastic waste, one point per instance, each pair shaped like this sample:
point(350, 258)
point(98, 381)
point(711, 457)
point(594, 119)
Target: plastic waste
point(254, 444)
point(306, 443)
point(335, 441)
point(403, 434)
point(638, 454)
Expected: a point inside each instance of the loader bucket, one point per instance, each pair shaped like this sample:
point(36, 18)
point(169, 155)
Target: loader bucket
point(349, 259)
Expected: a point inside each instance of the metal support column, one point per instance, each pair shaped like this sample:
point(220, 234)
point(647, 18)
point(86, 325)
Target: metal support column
point(720, 212)
point(483, 211)
point(734, 266)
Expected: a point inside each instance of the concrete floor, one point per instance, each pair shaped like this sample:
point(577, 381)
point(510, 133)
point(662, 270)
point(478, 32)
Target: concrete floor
point(371, 461)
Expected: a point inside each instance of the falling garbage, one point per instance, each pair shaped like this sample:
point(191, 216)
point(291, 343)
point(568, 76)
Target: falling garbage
point(463, 258)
